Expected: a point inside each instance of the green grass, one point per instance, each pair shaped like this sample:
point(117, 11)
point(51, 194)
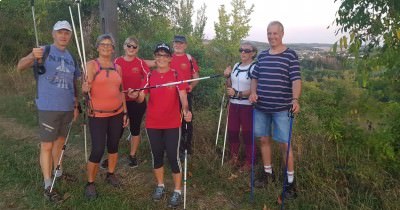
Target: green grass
point(329, 174)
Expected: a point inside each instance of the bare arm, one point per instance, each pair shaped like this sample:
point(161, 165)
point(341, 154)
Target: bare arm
point(253, 91)
point(185, 106)
point(296, 92)
point(150, 63)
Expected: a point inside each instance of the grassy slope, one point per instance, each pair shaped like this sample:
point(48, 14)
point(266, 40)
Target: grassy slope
point(323, 182)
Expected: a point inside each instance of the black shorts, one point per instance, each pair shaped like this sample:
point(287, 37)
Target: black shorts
point(53, 124)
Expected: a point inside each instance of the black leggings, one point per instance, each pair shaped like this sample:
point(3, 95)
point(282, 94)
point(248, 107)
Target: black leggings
point(135, 113)
point(165, 140)
point(102, 130)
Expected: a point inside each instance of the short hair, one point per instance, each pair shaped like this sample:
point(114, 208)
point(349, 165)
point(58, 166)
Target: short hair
point(253, 47)
point(103, 37)
point(131, 39)
point(275, 22)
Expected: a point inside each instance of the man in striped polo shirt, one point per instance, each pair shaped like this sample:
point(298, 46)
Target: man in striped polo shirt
point(275, 88)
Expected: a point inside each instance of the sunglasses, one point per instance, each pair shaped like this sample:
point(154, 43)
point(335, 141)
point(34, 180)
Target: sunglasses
point(131, 46)
point(159, 55)
point(106, 45)
point(245, 50)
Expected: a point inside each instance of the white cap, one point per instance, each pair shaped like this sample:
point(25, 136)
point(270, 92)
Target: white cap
point(62, 25)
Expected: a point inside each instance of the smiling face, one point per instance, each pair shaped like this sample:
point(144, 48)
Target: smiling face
point(179, 47)
point(162, 59)
point(275, 35)
point(131, 49)
point(61, 37)
point(105, 47)
point(246, 53)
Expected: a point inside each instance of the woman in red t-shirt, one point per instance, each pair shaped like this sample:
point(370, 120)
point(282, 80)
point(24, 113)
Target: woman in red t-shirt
point(134, 72)
point(163, 121)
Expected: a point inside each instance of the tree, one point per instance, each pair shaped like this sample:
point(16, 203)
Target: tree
point(374, 28)
point(230, 29)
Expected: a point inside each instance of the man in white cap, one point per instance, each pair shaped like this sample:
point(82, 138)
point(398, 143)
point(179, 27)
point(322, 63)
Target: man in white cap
point(56, 73)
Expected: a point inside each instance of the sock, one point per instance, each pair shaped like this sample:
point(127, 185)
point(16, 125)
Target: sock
point(47, 183)
point(161, 185)
point(58, 173)
point(290, 176)
point(268, 169)
point(178, 191)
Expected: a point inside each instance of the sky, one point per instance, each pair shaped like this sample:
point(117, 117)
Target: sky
point(305, 21)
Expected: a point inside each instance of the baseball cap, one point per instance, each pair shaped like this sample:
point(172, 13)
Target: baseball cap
point(63, 24)
point(179, 38)
point(163, 46)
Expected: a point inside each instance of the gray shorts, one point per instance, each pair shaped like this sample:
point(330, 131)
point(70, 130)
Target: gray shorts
point(53, 124)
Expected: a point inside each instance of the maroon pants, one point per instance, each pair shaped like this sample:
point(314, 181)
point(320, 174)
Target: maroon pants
point(240, 119)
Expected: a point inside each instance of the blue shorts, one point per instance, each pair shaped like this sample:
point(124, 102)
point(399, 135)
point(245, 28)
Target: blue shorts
point(280, 122)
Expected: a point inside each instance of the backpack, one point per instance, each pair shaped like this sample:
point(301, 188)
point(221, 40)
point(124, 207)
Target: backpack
point(246, 70)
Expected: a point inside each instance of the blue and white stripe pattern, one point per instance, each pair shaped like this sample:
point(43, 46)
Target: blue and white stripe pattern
point(275, 74)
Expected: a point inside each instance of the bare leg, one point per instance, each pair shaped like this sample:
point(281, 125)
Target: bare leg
point(290, 160)
point(265, 145)
point(46, 159)
point(177, 180)
point(92, 169)
point(159, 174)
point(56, 151)
point(135, 141)
point(112, 162)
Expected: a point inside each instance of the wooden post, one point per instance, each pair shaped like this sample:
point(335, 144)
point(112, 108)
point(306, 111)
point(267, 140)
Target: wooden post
point(109, 20)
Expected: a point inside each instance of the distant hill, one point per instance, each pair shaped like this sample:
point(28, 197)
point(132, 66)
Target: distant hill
point(295, 46)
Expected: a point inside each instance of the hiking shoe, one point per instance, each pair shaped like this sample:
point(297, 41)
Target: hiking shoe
point(158, 193)
point(52, 196)
point(175, 200)
point(90, 191)
point(133, 163)
point(290, 191)
point(263, 179)
point(104, 164)
point(113, 180)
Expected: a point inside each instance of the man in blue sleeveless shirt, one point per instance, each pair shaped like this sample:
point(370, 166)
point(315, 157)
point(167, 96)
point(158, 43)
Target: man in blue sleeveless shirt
point(275, 88)
point(56, 99)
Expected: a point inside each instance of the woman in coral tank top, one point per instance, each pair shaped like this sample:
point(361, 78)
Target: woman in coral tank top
point(107, 111)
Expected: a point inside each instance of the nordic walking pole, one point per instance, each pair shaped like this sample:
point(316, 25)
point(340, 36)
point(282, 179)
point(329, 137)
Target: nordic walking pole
point(252, 159)
point(34, 22)
point(37, 67)
point(291, 118)
point(220, 117)
point(185, 172)
point(61, 156)
point(83, 64)
point(226, 133)
point(173, 83)
point(80, 28)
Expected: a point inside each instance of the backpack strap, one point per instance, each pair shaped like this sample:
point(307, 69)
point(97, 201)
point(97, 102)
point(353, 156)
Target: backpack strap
point(191, 61)
point(114, 68)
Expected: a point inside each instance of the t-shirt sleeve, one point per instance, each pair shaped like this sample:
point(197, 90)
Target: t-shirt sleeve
point(196, 67)
point(294, 68)
point(255, 72)
point(182, 86)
